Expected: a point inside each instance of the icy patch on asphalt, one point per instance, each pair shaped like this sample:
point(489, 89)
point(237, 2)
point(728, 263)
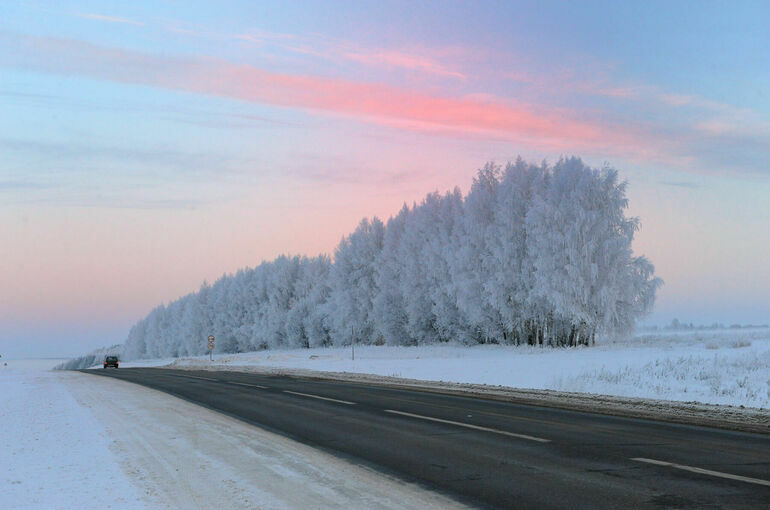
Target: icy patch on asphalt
point(54, 453)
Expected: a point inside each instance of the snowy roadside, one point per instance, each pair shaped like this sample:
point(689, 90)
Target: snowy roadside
point(720, 377)
point(78, 441)
point(54, 453)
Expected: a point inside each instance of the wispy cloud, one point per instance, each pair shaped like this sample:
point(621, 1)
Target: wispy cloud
point(28, 95)
point(681, 184)
point(617, 92)
point(87, 175)
point(124, 201)
point(323, 47)
point(642, 123)
point(21, 185)
point(326, 48)
point(81, 155)
point(369, 101)
point(402, 60)
point(262, 36)
point(68, 195)
point(686, 131)
point(109, 19)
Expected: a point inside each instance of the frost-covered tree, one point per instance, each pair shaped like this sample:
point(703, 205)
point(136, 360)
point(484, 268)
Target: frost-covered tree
point(473, 265)
point(304, 324)
point(388, 307)
point(579, 240)
point(511, 271)
point(447, 216)
point(352, 281)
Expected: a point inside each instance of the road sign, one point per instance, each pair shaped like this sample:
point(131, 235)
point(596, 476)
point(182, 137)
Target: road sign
point(211, 347)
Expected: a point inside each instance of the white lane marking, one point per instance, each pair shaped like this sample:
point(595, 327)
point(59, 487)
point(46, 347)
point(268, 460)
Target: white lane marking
point(702, 471)
point(249, 385)
point(320, 397)
point(468, 425)
point(196, 377)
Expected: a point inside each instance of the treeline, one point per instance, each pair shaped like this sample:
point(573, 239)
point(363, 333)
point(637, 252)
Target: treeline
point(533, 255)
point(95, 357)
point(676, 325)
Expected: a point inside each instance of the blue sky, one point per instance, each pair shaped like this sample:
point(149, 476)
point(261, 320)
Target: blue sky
point(148, 146)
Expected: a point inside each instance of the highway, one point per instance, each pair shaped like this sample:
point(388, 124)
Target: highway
point(489, 453)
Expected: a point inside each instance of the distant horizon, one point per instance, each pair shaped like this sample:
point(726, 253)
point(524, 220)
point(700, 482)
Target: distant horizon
point(641, 328)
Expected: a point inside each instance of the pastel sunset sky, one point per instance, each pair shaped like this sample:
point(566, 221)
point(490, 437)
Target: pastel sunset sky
point(146, 146)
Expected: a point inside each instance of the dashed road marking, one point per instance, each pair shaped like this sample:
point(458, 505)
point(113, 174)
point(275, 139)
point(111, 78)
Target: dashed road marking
point(469, 426)
point(249, 385)
point(204, 378)
point(702, 471)
point(320, 397)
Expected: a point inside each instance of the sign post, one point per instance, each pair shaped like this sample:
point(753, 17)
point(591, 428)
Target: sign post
point(211, 347)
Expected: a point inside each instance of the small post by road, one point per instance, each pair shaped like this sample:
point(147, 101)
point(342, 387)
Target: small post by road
point(352, 344)
point(211, 347)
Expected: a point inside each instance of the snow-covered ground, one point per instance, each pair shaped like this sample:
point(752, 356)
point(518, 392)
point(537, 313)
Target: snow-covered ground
point(75, 441)
point(714, 366)
point(54, 453)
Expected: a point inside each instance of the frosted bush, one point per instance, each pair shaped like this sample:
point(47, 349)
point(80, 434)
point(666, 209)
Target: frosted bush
point(740, 377)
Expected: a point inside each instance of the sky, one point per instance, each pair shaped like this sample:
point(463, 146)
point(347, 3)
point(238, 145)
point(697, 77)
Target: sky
point(148, 146)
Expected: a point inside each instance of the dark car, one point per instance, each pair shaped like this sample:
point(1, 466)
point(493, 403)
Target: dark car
point(111, 361)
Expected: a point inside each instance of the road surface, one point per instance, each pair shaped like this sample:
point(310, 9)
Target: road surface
point(488, 453)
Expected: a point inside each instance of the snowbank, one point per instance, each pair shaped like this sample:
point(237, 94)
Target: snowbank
point(54, 453)
point(725, 367)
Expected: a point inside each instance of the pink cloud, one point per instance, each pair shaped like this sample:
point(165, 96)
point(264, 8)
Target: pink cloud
point(675, 99)
point(520, 77)
point(261, 36)
point(404, 60)
point(381, 102)
point(618, 92)
point(371, 101)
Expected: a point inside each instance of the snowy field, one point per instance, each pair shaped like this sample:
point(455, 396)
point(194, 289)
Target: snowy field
point(75, 441)
point(729, 367)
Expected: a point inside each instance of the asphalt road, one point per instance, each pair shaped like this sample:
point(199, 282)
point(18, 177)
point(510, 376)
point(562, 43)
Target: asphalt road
point(488, 453)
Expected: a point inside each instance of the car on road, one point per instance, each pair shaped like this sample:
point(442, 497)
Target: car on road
point(111, 361)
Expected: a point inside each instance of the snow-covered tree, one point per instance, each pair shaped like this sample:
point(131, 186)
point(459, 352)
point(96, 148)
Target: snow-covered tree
point(353, 284)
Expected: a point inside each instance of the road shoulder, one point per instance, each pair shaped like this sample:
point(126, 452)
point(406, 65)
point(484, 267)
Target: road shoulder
point(187, 456)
